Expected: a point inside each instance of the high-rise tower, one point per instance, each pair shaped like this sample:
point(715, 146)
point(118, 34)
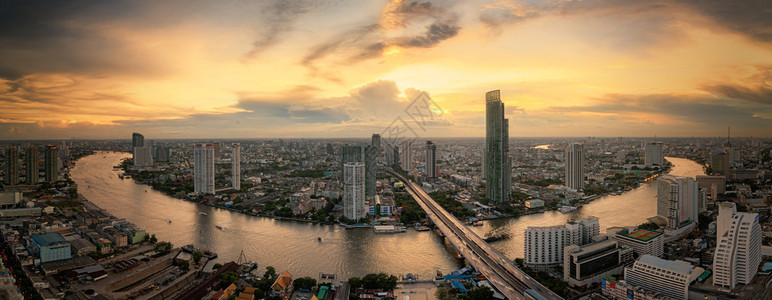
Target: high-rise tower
point(431, 160)
point(32, 165)
point(12, 165)
point(137, 140)
point(498, 174)
point(575, 166)
point(236, 166)
point(52, 163)
point(353, 190)
point(203, 169)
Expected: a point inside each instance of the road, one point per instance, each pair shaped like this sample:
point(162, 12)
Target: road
point(500, 271)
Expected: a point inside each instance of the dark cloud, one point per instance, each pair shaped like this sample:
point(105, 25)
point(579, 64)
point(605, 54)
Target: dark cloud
point(435, 34)
point(709, 112)
point(761, 94)
point(759, 91)
point(278, 19)
point(752, 18)
point(424, 25)
point(643, 19)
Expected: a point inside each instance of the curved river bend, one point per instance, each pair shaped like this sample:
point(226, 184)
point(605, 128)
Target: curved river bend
point(293, 246)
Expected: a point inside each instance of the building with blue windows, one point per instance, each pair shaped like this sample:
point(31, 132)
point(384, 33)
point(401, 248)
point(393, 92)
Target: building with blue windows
point(50, 246)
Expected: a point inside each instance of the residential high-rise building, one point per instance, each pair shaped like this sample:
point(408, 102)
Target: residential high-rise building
point(407, 156)
point(353, 190)
point(707, 182)
point(137, 140)
point(497, 164)
point(654, 154)
point(669, 278)
point(726, 211)
point(738, 252)
point(12, 165)
point(641, 240)
point(64, 151)
point(368, 156)
point(32, 165)
point(544, 245)
point(721, 162)
point(431, 160)
point(143, 156)
point(216, 146)
point(575, 166)
point(376, 141)
point(330, 149)
point(236, 166)
point(51, 163)
point(371, 169)
point(677, 201)
point(203, 169)
point(163, 154)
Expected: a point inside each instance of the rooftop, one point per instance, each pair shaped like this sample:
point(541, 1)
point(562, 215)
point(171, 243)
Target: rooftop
point(678, 266)
point(643, 234)
point(48, 238)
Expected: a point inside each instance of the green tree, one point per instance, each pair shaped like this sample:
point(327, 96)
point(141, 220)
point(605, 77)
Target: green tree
point(442, 293)
point(228, 277)
point(184, 265)
point(270, 272)
point(304, 283)
point(354, 282)
point(216, 266)
point(153, 239)
point(478, 293)
point(197, 255)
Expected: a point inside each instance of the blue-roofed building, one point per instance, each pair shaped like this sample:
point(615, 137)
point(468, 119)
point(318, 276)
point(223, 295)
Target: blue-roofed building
point(669, 278)
point(50, 246)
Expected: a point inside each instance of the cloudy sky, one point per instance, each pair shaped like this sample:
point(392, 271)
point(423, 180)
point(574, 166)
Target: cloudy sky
point(349, 68)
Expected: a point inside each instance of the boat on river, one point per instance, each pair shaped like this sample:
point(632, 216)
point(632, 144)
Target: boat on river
point(202, 213)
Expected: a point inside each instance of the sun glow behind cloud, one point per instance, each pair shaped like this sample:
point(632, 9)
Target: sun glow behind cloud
point(346, 68)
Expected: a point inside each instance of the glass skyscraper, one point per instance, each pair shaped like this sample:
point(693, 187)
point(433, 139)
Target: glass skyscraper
point(497, 165)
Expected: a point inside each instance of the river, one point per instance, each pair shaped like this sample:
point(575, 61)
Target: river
point(293, 246)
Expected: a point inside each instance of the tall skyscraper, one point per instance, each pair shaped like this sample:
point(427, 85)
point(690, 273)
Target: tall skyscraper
point(738, 252)
point(366, 155)
point(721, 162)
point(677, 200)
point(654, 154)
point(371, 168)
point(498, 168)
point(143, 156)
point(575, 166)
point(353, 190)
point(407, 156)
point(216, 146)
point(431, 160)
point(137, 140)
point(726, 211)
point(203, 169)
point(64, 150)
point(12, 165)
point(376, 141)
point(236, 166)
point(395, 161)
point(51, 163)
point(32, 165)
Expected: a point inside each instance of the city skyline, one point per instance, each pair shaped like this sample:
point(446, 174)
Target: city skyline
point(273, 69)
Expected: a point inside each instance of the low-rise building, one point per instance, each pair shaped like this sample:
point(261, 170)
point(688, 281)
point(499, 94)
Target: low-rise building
point(666, 277)
point(50, 246)
point(584, 265)
point(641, 240)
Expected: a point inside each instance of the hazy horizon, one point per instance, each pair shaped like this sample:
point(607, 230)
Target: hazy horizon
point(341, 68)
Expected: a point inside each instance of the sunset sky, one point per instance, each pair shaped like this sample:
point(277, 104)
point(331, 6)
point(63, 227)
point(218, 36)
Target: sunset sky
point(347, 68)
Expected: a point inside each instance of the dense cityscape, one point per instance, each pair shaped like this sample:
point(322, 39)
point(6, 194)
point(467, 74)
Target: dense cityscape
point(710, 237)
